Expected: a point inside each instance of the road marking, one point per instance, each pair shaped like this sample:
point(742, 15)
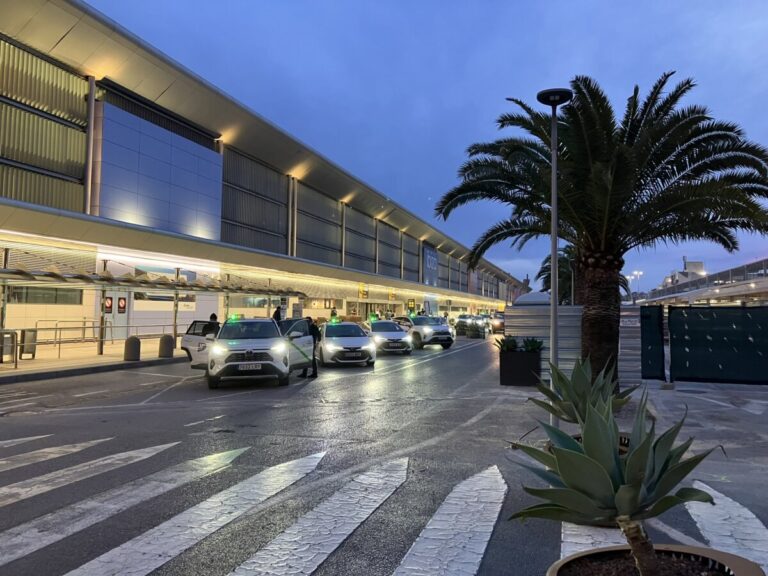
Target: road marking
point(161, 544)
point(15, 441)
point(730, 527)
point(164, 390)
point(153, 383)
point(45, 530)
point(89, 393)
point(204, 421)
point(575, 538)
point(314, 536)
point(23, 399)
point(20, 405)
point(19, 460)
point(12, 394)
point(673, 533)
point(156, 374)
point(41, 484)
point(454, 540)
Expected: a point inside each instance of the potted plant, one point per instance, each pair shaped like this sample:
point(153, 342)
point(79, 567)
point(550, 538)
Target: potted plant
point(593, 483)
point(519, 366)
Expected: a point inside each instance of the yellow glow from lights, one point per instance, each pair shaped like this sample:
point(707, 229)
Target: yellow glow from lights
point(300, 171)
point(348, 198)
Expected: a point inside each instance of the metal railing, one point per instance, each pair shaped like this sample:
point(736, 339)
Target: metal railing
point(82, 329)
point(746, 272)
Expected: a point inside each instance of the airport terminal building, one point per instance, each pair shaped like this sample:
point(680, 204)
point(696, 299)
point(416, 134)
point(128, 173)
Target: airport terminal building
point(132, 192)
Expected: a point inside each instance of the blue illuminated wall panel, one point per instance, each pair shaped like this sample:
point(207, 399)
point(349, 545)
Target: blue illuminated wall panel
point(149, 176)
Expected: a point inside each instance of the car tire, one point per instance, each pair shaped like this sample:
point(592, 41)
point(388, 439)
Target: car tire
point(417, 341)
point(321, 359)
point(407, 352)
point(446, 346)
point(370, 362)
point(189, 354)
point(284, 380)
point(213, 381)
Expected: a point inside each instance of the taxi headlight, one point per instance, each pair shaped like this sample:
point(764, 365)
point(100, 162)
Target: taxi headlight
point(279, 348)
point(332, 347)
point(379, 339)
point(408, 339)
point(370, 347)
point(219, 350)
point(427, 330)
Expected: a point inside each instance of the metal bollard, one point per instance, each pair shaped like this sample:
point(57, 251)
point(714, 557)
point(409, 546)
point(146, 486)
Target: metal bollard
point(167, 344)
point(132, 350)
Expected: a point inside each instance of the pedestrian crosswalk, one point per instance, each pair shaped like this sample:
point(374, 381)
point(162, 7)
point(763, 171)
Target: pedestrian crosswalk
point(453, 541)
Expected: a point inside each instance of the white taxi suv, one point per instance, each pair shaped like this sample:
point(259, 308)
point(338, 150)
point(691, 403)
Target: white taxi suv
point(254, 348)
point(345, 343)
point(427, 330)
point(389, 336)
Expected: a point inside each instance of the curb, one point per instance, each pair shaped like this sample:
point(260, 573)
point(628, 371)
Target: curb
point(81, 370)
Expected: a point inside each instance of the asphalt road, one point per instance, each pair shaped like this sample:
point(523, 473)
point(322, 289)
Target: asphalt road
point(403, 468)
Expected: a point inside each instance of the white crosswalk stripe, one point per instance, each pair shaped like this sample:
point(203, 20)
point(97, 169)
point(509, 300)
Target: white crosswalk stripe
point(45, 530)
point(41, 484)
point(17, 441)
point(730, 527)
point(19, 460)
point(453, 542)
point(159, 545)
point(308, 542)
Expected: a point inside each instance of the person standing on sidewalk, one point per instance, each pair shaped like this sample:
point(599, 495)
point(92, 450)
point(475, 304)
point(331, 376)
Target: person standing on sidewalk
point(276, 315)
point(314, 331)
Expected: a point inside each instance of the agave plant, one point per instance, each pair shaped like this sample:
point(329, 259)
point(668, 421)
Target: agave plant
point(532, 345)
point(592, 482)
point(506, 344)
point(569, 398)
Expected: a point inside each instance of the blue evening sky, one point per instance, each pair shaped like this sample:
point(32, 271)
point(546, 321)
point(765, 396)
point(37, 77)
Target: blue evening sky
point(395, 90)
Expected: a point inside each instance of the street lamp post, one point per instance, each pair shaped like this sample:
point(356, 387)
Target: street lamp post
point(636, 275)
point(554, 97)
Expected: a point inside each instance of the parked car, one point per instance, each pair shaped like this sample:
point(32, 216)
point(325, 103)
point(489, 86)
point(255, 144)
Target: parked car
point(477, 327)
point(497, 322)
point(462, 322)
point(345, 343)
point(194, 340)
point(426, 330)
point(389, 336)
point(251, 348)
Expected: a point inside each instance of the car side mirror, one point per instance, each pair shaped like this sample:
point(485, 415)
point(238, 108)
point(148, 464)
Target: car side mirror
point(295, 334)
point(210, 337)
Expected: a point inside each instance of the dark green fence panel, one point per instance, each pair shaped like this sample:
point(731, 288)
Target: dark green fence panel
point(719, 344)
point(652, 342)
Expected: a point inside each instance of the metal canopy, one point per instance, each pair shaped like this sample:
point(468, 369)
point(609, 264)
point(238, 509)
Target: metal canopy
point(75, 34)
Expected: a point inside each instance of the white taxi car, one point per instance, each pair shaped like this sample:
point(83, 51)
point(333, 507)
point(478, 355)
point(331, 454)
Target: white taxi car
point(345, 343)
point(427, 330)
point(255, 348)
point(390, 337)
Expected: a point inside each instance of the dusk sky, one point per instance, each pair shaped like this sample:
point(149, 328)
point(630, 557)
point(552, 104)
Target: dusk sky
point(394, 91)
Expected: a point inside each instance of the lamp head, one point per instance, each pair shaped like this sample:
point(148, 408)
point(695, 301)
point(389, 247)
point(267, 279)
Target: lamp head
point(554, 96)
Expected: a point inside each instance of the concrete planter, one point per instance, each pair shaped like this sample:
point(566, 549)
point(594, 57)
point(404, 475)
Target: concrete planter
point(519, 368)
point(728, 563)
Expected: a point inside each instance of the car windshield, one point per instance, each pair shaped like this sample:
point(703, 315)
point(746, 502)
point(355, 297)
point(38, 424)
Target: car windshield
point(385, 327)
point(248, 330)
point(343, 331)
point(464, 316)
point(426, 321)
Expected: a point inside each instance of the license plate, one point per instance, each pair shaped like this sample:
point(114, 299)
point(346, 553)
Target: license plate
point(354, 354)
point(395, 345)
point(249, 367)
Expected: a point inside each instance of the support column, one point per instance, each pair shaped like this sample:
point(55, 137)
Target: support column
point(295, 215)
point(343, 234)
point(226, 303)
point(376, 249)
point(402, 255)
point(176, 308)
point(89, 139)
point(4, 292)
point(290, 223)
point(102, 316)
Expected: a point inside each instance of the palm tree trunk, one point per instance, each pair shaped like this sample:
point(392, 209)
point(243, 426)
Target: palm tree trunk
point(601, 301)
point(642, 549)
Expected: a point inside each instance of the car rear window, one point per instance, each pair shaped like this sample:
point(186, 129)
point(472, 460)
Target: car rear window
point(343, 330)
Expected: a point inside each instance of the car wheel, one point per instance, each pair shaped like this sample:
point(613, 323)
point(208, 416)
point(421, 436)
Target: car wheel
point(370, 362)
point(417, 341)
point(446, 346)
point(321, 359)
point(283, 380)
point(406, 352)
point(213, 381)
point(189, 354)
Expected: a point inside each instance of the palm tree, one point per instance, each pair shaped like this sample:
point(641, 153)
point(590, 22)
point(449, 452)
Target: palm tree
point(565, 265)
point(663, 173)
